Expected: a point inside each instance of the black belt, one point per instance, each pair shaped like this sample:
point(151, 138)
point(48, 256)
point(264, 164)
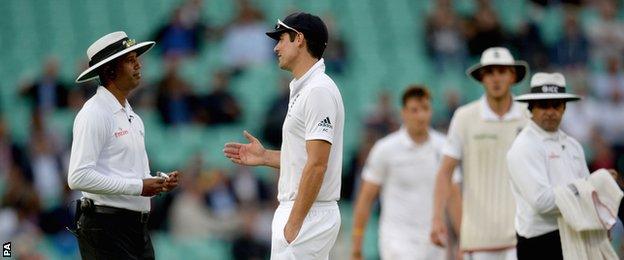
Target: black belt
point(142, 217)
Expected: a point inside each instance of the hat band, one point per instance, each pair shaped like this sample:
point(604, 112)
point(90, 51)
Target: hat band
point(548, 89)
point(110, 50)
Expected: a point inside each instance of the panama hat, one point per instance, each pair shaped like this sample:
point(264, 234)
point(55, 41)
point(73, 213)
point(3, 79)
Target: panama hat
point(108, 48)
point(547, 86)
point(498, 56)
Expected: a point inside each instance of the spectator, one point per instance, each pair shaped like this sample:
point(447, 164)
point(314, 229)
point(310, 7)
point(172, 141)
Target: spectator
point(18, 215)
point(606, 34)
point(219, 106)
point(12, 156)
point(611, 82)
point(174, 100)
point(183, 35)
point(248, 189)
point(49, 92)
point(483, 30)
point(200, 210)
point(47, 167)
point(445, 42)
point(529, 44)
point(383, 118)
point(244, 42)
point(571, 51)
point(247, 245)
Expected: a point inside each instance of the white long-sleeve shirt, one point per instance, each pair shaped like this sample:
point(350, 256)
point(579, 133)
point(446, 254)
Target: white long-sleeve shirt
point(538, 162)
point(108, 158)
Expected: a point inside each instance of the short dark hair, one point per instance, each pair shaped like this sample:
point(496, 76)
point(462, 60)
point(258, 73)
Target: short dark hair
point(108, 72)
point(415, 91)
point(315, 49)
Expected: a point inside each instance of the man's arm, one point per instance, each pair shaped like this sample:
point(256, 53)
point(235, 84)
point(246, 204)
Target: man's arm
point(454, 207)
point(442, 192)
point(367, 194)
point(309, 186)
point(252, 153)
point(529, 175)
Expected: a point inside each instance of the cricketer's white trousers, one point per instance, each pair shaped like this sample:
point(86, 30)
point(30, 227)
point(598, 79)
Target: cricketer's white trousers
point(402, 249)
point(316, 237)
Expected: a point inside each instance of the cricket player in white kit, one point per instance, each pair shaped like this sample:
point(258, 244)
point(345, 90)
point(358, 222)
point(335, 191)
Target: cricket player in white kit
point(403, 165)
point(307, 221)
point(479, 136)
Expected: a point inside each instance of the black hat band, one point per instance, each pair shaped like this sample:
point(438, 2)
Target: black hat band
point(548, 89)
point(111, 49)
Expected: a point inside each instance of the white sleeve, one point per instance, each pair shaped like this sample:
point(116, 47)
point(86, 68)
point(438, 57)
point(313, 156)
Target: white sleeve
point(89, 137)
point(375, 170)
point(453, 145)
point(320, 115)
point(527, 168)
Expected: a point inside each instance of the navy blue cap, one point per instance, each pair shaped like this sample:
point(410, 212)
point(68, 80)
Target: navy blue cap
point(311, 26)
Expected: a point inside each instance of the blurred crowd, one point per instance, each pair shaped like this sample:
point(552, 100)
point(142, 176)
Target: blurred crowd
point(236, 204)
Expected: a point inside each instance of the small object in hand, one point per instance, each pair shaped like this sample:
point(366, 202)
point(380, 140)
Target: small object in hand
point(163, 175)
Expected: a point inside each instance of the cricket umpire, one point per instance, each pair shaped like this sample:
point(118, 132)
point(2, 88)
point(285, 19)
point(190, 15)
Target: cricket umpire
point(108, 160)
point(541, 158)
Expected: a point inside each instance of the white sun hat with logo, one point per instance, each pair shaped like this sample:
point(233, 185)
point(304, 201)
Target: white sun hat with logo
point(498, 56)
point(548, 86)
point(108, 48)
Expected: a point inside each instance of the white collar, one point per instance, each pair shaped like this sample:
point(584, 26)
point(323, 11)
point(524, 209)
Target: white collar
point(409, 142)
point(544, 135)
point(488, 114)
point(297, 84)
point(111, 101)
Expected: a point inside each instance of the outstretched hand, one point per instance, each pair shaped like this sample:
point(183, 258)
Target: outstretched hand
point(250, 154)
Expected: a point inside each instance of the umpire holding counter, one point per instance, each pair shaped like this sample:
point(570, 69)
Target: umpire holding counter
point(108, 160)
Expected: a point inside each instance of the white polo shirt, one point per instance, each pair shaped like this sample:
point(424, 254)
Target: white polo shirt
point(538, 162)
point(406, 172)
point(315, 112)
point(108, 158)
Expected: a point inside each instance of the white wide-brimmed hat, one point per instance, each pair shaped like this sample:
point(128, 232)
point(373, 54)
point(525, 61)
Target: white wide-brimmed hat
point(108, 48)
point(548, 86)
point(498, 56)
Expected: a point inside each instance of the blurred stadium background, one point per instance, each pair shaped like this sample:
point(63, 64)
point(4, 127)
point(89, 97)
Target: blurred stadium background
point(213, 74)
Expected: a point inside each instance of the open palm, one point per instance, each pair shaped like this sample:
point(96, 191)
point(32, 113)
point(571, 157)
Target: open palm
point(250, 154)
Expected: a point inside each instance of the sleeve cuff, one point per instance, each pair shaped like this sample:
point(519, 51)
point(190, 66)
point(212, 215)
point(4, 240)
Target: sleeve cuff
point(319, 137)
point(134, 187)
point(450, 152)
point(369, 176)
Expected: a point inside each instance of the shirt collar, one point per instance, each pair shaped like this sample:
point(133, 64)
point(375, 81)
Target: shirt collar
point(544, 135)
point(111, 102)
point(487, 114)
point(409, 142)
point(297, 84)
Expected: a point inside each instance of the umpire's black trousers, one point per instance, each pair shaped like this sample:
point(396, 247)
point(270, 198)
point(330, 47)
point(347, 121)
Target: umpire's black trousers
point(120, 235)
point(546, 246)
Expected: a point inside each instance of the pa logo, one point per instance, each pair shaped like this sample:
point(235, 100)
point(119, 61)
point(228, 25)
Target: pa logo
point(6, 249)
